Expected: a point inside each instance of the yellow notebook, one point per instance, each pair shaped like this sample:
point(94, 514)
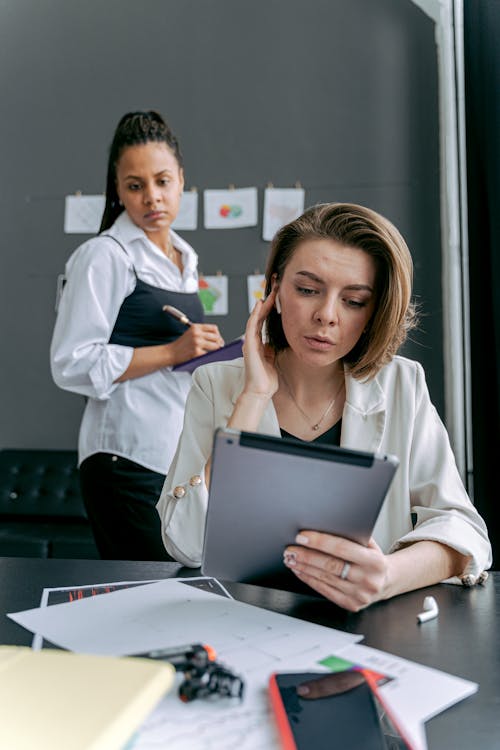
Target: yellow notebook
point(58, 700)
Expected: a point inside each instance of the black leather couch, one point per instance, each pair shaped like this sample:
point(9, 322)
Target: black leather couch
point(41, 509)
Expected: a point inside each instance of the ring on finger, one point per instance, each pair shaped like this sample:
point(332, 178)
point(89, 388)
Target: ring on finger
point(345, 571)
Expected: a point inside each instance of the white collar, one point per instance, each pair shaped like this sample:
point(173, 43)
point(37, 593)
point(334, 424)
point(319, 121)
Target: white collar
point(127, 231)
point(365, 396)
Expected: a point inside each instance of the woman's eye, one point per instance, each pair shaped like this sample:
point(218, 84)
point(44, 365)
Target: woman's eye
point(163, 182)
point(133, 186)
point(356, 303)
point(306, 291)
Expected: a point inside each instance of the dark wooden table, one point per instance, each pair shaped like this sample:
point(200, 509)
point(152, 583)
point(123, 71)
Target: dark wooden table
point(464, 640)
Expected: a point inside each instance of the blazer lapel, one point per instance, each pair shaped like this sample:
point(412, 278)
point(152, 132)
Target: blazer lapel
point(364, 417)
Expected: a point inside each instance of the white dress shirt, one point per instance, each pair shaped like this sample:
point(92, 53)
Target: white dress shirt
point(141, 418)
point(392, 413)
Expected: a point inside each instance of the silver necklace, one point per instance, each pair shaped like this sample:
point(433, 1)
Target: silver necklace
point(314, 427)
point(171, 251)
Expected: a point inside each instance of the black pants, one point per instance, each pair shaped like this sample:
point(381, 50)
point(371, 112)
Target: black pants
point(120, 498)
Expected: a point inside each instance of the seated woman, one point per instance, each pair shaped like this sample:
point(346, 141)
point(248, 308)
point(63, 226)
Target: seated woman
point(320, 363)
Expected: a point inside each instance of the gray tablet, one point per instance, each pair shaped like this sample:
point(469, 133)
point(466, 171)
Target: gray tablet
point(264, 489)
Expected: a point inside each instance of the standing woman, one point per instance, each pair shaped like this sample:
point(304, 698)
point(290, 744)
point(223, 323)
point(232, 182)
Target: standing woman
point(114, 344)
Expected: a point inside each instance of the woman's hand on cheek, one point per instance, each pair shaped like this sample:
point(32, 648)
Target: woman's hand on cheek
point(260, 370)
point(348, 574)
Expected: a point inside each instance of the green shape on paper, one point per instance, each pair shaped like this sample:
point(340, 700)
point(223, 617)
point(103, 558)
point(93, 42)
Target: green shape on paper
point(208, 299)
point(336, 664)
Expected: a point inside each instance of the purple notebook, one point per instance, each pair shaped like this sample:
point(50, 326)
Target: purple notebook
point(233, 350)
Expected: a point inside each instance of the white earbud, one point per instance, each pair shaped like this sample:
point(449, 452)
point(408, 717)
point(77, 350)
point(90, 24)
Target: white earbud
point(278, 305)
point(431, 610)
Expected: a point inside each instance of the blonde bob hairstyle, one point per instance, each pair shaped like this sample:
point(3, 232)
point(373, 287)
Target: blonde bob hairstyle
point(354, 226)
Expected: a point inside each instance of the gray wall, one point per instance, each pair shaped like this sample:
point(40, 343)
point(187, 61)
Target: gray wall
point(339, 94)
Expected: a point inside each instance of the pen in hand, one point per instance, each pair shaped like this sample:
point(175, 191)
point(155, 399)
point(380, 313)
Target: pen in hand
point(177, 314)
point(205, 339)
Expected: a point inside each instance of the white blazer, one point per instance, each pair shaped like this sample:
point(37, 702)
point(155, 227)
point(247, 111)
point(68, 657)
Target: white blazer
point(392, 413)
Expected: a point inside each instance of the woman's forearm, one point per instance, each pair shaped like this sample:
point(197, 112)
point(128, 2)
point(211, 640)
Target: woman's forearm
point(248, 411)
point(422, 564)
point(148, 359)
point(198, 339)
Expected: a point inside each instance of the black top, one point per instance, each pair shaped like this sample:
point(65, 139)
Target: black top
point(330, 437)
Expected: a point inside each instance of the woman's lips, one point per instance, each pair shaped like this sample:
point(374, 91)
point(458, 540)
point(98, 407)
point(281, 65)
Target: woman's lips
point(155, 215)
point(318, 342)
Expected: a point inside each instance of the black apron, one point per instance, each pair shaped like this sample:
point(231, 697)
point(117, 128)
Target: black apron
point(141, 320)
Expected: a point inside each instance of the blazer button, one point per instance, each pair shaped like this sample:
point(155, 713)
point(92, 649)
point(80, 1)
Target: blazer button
point(195, 481)
point(468, 580)
point(179, 492)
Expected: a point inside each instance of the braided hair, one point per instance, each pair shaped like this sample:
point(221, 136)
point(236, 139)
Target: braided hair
point(134, 128)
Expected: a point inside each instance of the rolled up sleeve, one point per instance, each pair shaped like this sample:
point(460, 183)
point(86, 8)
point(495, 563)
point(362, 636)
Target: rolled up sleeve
point(444, 512)
point(82, 361)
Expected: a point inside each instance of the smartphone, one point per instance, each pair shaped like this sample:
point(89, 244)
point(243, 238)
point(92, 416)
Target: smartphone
point(331, 710)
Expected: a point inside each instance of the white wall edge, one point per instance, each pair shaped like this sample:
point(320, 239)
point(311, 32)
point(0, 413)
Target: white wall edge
point(448, 15)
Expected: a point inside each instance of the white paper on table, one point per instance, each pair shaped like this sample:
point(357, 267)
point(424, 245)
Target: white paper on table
point(73, 593)
point(187, 217)
point(213, 294)
point(417, 693)
point(230, 209)
point(206, 725)
point(253, 642)
point(247, 726)
point(281, 205)
point(169, 613)
point(83, 213)
point(256, 287)
point(91, 589)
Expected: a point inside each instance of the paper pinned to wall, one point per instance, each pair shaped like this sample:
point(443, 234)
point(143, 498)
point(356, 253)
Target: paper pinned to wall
point(83, 213)
point(213, 294)
point(281, 205)
point(187, 217)
point(230, 209)
point(256, 285)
